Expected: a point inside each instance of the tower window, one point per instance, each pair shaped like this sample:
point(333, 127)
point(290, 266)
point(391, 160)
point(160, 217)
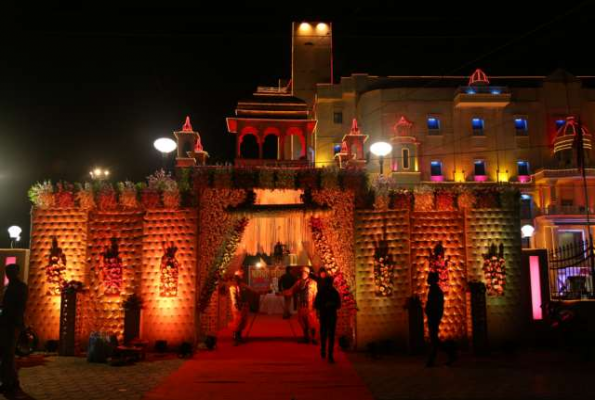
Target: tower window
point(477, 125)
point(405, 154)
point(433, 126)
point(338, 117)
point(479, 168)
point(523, 167)
point(436, 168)
point(520, 125)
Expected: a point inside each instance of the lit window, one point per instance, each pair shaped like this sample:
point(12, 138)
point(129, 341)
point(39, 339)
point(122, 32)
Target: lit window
point(336, 148)
point(436, 168)
point(405, 154)
point(560, 123)
point(479, 168)
point(338, 117)
point(523, 167)
point(477, 125)
point(520, 125)
point(433, 126)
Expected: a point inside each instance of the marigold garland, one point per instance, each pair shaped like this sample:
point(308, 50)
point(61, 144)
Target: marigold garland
point(169, 271)
point(494, 269)
point(326, 255)
point(54, 271)
point(220, 263)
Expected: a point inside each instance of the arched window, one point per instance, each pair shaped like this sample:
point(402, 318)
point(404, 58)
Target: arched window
point(405, 154)
point(270, 147)
point(249, 147)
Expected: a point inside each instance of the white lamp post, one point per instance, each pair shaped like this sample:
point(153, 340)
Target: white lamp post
point(381, 150)
point(15, 235)
point(164, 146)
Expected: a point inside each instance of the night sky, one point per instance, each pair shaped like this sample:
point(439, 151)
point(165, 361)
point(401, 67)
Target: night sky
point(81, 87)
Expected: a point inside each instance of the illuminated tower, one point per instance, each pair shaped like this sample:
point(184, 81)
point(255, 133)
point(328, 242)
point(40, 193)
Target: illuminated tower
point(312, 58)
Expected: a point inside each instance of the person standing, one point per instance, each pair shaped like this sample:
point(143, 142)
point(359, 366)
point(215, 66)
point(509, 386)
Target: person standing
point(12, 321)
point(240, 306)
point(434, 312)
point(305, 288)
point(327, 303)
point(286, 282)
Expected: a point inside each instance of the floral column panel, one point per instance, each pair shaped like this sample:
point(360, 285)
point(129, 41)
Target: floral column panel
point(68, 227)
point(114, 267)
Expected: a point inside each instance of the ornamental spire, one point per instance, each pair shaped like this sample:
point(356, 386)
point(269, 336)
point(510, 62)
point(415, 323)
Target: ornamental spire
point(187, 125)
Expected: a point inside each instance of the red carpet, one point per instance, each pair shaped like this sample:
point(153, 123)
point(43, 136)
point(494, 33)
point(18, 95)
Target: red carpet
point(271, 365)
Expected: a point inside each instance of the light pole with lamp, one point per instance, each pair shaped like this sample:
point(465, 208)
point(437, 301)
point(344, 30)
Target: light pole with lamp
point(15, 235)
point(381, 150)
point(164, 146)
point(99, 174)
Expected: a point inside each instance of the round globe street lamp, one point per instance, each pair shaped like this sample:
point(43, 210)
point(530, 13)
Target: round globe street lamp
point(164, 146)
point(381, 150)
point(15, 235)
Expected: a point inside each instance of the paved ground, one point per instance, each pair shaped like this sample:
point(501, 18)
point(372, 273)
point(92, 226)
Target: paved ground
point(74, 378)
point(528, 375)
point(273, 366)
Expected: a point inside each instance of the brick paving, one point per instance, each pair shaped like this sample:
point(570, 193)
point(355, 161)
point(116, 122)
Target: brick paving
point(74, 378)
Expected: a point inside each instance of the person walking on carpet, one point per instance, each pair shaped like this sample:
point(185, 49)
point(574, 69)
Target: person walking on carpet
point(286, 282)
point(327, 303)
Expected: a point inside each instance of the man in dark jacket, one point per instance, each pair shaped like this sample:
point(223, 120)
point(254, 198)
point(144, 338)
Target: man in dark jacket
point(286, 282)
point(434, 313)
point(327, 303)
point(12, 321)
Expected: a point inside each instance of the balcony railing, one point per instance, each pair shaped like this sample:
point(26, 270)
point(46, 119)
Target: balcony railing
point(563, 210)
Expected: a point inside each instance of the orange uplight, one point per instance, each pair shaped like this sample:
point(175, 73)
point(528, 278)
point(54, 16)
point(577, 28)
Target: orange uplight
point(322, 28)
point(460, 176)
point(305, 27)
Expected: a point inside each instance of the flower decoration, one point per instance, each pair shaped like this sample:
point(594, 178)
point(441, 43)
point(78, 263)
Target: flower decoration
point(169, 271)
point(220, 263)
point(285, 179)
point(42, 194)
point(445, 200)
point(54, 271)
point(466, 198)
point(112, 269)
point(324, 251)
point(84, 196)
point(424, 198)
point(494, 269)
point(128, 197)
point(384, 269)
point(64, 196)
point(106, 198)
point(266, 178)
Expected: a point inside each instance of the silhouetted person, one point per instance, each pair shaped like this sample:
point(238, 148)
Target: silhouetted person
point(327, 303)
point(306, 290)
point(319, 277)
point(286, 282)
point(434, 312)
point(240, 306)
point(12, 321)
